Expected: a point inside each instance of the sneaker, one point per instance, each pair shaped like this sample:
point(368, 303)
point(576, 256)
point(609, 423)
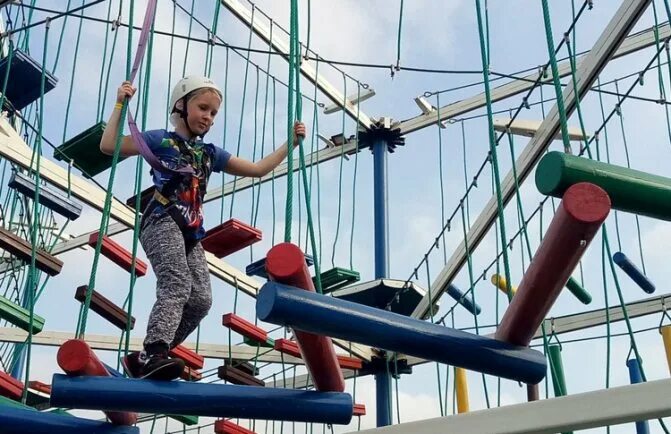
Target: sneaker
point(160, 367)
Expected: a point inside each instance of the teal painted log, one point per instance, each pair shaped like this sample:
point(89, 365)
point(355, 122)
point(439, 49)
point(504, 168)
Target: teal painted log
point(629, 190)
point(578, 291)
point(557, 372)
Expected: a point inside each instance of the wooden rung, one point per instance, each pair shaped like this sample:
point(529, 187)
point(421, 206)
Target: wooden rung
point(242, 365)
point(20, 316)
point(105, 308)
point(287, 347)
point(268, 343)
point(227, 427)
point(47, 197)
point(244, 327)
point(190, 357)
point(117, 254)
point(190, 374)
point(359, 410)
point(229, 237)
point(238, 376)
point(84, 150)
point(40, 387)
point(145, 197)
point(337, 278)
point(21, 248)
point(10, 387)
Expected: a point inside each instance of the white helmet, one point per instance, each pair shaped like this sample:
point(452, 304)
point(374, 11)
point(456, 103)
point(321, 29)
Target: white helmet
point(187, 85)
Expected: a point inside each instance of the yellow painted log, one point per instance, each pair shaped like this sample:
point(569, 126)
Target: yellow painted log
point(500, 282)
point(666, 336)
point(462, 390)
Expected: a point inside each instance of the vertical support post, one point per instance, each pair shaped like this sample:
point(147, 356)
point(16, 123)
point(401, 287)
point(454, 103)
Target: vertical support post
point(382, 377)
point(642, 426)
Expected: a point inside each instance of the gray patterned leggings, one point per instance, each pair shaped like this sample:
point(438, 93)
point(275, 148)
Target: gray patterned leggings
point(183, 291)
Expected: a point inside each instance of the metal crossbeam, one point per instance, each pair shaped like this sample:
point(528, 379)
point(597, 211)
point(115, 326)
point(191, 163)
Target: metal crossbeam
point(630, 45)
point(618, 405)
point(263, 31)
point(588, 71)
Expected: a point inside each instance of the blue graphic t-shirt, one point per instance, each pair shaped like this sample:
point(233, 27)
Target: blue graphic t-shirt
point(184, 192)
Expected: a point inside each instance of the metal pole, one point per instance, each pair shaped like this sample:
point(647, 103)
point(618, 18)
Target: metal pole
point(382, 377)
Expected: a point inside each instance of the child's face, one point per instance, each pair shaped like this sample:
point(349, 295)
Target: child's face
point(201, 110)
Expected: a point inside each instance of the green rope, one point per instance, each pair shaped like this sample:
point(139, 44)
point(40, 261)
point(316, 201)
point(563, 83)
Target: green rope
point(188, 40)
point(72, 82)
point(398, 39)
point(354, 183)
point(293, 77)
point(440, 177)
point(492, 145)
point(555, 76)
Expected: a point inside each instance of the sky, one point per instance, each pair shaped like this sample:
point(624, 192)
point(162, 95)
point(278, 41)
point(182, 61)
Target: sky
point(435, 35)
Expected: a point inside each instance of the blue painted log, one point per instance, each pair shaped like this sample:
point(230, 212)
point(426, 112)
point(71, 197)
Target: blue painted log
point(633, 272)
point(635, 377)
point(26, 421)
point(315, 313)
point(196, 399)
point(466, 302)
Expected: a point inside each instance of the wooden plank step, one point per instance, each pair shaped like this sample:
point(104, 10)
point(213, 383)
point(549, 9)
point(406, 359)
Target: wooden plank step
point(227, 427)
point(190, 374)
point(40, 387)
point(48, 197)
point(243, 365)
point(229, 237)
point(337, 278)
point(290, 347)
point(359, 410)
point(238, 376)
point(20, 316)
point(25, 80)
point(21, 249)
point(191, 358)
point(10, 387)
point(84, 150)
point(117, 254)
point(244, 327)
point(105, 308)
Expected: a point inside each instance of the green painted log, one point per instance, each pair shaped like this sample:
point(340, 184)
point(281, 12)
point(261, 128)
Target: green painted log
point(579, 292)
point(629, 190)
point(557, 372)
point(19, 316)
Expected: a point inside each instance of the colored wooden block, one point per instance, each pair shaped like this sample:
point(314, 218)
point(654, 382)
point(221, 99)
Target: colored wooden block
point(10, 387)
point(186, 420)
point(359, 410)
point(40, 387)
point(238, 376)
point(227, 427)
point(268, 343)
point(21, 248)
point(287, 347)
point(105, 308)
point(84, 150)
point(20, 316)
point(244, 327)
point(145, 196)
point(229, 237)
point(243, 366)
point(190, 374)
point(337, 278)
point(48, 197)
point(25, 80)
point(117, 254)
point(191, 358)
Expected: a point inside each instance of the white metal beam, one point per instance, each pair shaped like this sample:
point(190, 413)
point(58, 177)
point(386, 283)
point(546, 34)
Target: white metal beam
point(630, 45)
point(17, 151)
point(588, 70)
point(618, 405)
point(529, 128)
point(263, 31)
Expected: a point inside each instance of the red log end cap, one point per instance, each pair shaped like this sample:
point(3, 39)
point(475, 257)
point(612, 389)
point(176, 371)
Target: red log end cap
point(73, 356)
point(285, 260)
point(586, 202)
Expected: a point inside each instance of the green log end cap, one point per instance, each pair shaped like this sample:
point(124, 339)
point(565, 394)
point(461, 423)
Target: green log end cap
point(549, 174)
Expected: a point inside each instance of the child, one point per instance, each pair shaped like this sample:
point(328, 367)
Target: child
point(172, 223)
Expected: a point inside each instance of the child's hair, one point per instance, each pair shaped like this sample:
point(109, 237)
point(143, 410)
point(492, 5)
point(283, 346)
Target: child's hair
point(175, 116)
